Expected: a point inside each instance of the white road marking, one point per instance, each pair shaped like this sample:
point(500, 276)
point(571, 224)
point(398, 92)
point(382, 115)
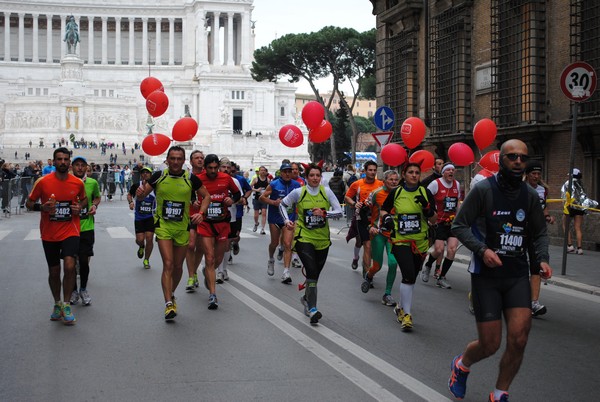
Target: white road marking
point(401, 377)
point(355, 376)
point(34, 234)
point(120, 232)
point(247, 236)
point(4, 233)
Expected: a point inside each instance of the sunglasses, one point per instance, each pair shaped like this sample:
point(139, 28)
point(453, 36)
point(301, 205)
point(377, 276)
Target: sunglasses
point(514, 157)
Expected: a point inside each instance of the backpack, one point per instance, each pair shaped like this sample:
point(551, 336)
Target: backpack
point(352, 179)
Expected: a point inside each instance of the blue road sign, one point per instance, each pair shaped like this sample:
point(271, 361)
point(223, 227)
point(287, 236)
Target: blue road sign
point(384, 118)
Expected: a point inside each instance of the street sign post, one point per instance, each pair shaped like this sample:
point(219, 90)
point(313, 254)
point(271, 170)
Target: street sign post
point(384, 118)
point(382, 137)
point(578, 83)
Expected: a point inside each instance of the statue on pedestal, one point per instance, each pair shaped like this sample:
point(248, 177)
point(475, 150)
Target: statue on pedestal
point(71, 35)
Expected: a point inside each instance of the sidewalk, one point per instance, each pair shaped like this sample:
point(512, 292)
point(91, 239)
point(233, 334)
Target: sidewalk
point(582, 271)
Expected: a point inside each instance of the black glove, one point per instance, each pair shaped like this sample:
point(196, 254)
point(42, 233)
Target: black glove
point(427, 211)
point(388, 223)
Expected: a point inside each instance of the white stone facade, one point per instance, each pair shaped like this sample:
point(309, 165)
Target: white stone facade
point(47, 94)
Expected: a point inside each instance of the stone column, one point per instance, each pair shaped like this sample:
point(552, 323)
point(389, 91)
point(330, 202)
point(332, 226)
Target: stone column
point(117, 40)
point(21, 37)
point(91, 59)
point(104, 40)
point(35, 58)
point(215, 38)
point(245, 51)
point(6, 36)
point(78, 45)
point(49, 55)
point(145, 41)
point(63, 28)
point(202, 43)
point(131, 61)
point(157, 58)
point(171, 41)
point(229, 42)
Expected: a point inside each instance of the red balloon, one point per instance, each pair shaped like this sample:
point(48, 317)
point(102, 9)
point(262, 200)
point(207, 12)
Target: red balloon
point(461, 154)
point(412, 132)
point(393, 155)
point(157, 103)
point(149, 85)
point(156, 144)
point(423, 158)
point(490, 161)
point(184, 129)
point(291, 136)
point(313, 114)
point(321, 133)
point(484, 133)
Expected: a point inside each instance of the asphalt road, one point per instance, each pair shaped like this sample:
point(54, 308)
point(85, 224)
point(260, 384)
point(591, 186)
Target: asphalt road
point(258, 345)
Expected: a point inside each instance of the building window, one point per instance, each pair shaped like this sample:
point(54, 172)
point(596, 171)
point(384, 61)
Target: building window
point(238, 122)
point(282, 111)
point(45, 91)
point(30, 91)
point(96, 92)
point(451, 71)
point(239, 95)
point(401, 76)
point(111, 93)
point(518, 62)
point(370, 114)
point(38, 91)
point(585, 34)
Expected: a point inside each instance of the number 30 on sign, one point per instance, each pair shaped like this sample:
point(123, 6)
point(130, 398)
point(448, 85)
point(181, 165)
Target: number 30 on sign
point(578, 81)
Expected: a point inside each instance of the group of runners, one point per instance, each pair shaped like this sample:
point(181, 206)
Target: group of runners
point(196, 215)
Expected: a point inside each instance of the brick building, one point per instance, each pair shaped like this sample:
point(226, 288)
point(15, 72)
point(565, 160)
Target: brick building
point(453, 63)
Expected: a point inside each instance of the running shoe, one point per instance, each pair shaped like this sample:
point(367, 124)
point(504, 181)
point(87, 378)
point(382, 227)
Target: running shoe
point(570, 249)
point(85, 297)
point(190, 287)
point(285, 278)
point(74, 297)
point(580, 251)
point(56, 313)
point(305, 305)
point(271, 267)
point(538, 309)
point(443, 283)
point(503, 398)
point(225, 275)
point(235, 247)
point(457, 384)
point(366, 285)
point(146, 264)
point(196, 283)
point(140, 253)
point(388, 300)
point(170, 311)
point(213, 304)
point(262, 231)
point(68, 317)
point(407, 323)
point(355, 263)
point(280, 254)
point(425, 273)
point(219, 277)
point(399, 311)
point(315, 315)
point(255, 227)
point(296, 263)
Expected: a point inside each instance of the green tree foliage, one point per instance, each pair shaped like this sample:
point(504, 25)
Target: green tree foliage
point(343, 54)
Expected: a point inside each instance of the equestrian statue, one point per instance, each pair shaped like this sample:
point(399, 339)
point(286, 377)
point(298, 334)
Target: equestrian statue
point(71, 35)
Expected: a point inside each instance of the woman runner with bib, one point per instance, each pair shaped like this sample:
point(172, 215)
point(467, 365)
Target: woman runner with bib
point(311, 231)
point(414, 209)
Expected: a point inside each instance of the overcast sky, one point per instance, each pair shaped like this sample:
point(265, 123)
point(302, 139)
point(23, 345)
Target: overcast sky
point(275, 18)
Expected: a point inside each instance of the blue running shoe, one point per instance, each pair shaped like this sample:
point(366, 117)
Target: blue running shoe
point(503, 398)
point(56, 313)
point(315, 315)
point(68, 317)
point(213, 304)
point(457, 384)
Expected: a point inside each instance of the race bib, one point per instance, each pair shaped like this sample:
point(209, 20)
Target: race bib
point(510, 242)
point(450, 204)
point(62, 211)
point(83, 214)
point(144, 207)
point(215, 211)
point(173, 210)
point(409, 224)
point(313, 221)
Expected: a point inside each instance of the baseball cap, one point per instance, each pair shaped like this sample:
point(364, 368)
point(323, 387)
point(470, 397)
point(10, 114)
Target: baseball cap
point(533, 166)
point(146, 169)
point(79, 158)
point(285, 166)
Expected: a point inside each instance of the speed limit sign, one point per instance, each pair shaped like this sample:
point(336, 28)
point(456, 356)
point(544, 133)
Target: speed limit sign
point(578, 81)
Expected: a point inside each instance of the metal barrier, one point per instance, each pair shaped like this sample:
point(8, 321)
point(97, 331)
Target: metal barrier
point(14, 194)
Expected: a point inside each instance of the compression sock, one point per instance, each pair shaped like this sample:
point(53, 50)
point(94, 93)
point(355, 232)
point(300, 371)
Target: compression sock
point(311, 293)
point(446, 266)
point(406, 294)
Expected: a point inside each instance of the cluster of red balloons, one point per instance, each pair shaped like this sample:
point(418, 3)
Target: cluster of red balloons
point(313, 115)
point(157, 104)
